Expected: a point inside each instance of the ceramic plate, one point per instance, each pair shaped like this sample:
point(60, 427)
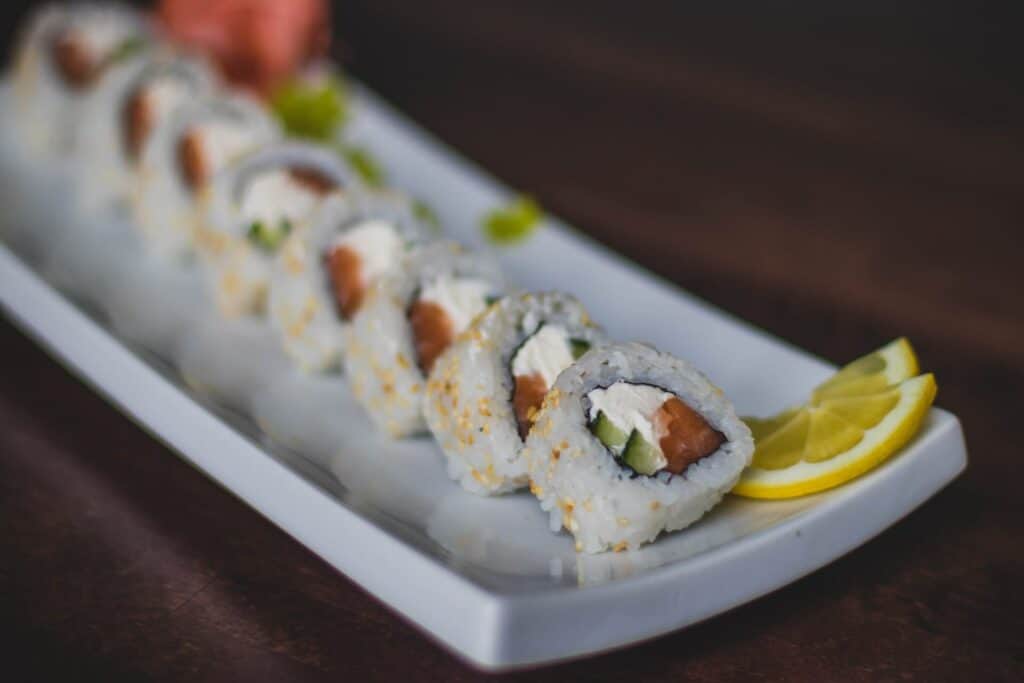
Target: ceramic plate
point(484, 577)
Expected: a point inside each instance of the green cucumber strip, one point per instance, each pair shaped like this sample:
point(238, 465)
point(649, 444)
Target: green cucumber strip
point(125, 49)
point(640, 455)
point(607, 433)
point(578, 347)
point(268, 238)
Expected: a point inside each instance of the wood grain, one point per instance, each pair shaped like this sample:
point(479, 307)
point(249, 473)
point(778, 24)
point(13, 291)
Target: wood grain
point(838, 177)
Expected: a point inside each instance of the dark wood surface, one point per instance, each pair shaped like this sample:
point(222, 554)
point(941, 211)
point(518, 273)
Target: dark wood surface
point(837, 179)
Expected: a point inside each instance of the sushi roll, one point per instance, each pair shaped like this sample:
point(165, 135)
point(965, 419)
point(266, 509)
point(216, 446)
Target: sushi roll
point(322, 274)
point(142, 94)
point(407, 319)
point(253, 205)
point(181, 158)
point(631, 442)
point(485, 390)
point(63, 54)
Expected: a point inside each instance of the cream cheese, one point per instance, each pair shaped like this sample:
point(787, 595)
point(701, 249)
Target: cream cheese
point(162, 95)
point(546, 353)
point(377, 244)
point(220, 142)
point(274, 196)
point(462, 299)
point(101, 35)
point(631, 406)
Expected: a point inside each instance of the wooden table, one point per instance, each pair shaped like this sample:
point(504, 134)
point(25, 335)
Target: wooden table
point(836, 179)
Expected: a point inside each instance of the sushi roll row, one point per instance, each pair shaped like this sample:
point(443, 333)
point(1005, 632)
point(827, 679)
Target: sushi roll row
point(619, 442)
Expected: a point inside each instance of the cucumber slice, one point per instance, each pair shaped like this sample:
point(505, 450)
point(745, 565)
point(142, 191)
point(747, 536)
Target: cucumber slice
point(125, 49)
point(578, 347)
point(641, 456)
point(266, 237)
point(607, 433)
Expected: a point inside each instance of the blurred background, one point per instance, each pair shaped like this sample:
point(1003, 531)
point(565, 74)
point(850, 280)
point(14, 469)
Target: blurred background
point(805, 153)
point(836, 173)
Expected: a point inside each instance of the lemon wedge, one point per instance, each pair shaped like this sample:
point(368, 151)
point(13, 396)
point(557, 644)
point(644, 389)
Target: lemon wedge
point(889, 365)
point(852, 423)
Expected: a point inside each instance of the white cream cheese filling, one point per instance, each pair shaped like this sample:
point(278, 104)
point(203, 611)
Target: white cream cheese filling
point(220, 143)
point(163, 95)
point(275, 196)
point(546, 353)
point(462, 299)
point(377, 244)
point(631, 406)
point(100, 35)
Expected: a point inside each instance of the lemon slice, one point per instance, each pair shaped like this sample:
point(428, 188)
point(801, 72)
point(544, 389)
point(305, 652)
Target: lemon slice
point(853, 422)
point(887, 366)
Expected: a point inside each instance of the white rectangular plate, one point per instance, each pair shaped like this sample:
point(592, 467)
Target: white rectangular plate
point(484, 577)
